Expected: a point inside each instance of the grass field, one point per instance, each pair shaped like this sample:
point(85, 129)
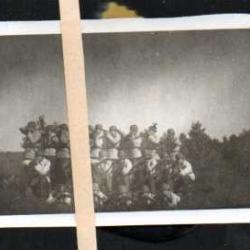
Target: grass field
point(12, 200)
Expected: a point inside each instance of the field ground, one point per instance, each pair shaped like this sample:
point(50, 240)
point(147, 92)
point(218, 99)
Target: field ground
point(214, 188)
point(12, 201)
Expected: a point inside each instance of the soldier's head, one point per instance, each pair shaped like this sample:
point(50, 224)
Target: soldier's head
point(113, 130)
point(23, 130)
point(98, 128)
point(171, 132)
point(134, 129)
point(153, 128)
point(101, 155)
point(50, 129)
point(31, 126)
point(180, 157)
point(64, 127)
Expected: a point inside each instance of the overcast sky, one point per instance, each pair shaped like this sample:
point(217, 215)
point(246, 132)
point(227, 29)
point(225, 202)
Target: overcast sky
point(170, 78)
point(31, 84)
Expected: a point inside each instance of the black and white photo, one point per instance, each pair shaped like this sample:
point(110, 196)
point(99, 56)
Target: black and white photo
point(169, 119)
point(35, 160)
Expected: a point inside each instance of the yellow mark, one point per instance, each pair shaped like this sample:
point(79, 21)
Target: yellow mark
point(115, 10)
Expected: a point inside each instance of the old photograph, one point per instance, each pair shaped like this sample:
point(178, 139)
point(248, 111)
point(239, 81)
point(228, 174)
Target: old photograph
point(35, 159)
point(169, 119)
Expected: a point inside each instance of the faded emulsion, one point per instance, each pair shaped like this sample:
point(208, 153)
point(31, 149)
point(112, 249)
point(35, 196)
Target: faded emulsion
point(35, 160)
point(169, 119)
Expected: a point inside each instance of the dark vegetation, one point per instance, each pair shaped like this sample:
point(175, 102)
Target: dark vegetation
point(12, 201)
point(222, 168)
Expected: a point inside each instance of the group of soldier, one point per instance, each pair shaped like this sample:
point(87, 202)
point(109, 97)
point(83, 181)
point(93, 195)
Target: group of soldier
point(46, 166)
point(130, 172)
point(135, 171)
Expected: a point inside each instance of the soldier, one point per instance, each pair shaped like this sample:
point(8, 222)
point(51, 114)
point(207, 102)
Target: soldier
point(29, 156)
point(41, 183)
point(32, 142)
point(133, 143)
point(94, 166)
point(185, 168)
point(146, 199)
point(61, 196)
point(167, 169)
point(51, 141)
point(186, 177)
point(151, 170)
point(97, 140)
point(123, 171)
point(123, 200)
point(42, 166)
point(62, 173)
point(151, 140)
point(168, 198)
point(168, 142)
point(114, 137)
point(99, 197)
point(102, 172)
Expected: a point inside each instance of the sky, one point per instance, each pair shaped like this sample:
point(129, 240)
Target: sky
point(31, 84)
point(170, 78)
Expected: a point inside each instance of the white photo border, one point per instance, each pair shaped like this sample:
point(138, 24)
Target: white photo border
point(119, 25)
point(173, 217)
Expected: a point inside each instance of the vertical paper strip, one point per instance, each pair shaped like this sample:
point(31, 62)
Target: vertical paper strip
point(78, 123)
